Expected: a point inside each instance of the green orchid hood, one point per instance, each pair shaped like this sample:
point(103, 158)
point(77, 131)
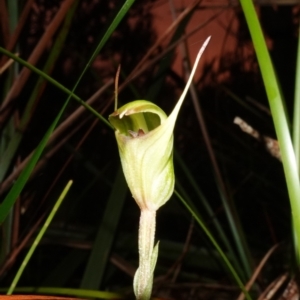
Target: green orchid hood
point(144, 135)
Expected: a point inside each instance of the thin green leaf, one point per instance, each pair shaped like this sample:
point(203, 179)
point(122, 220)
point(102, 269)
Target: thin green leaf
point(279, 117)
point(118, 18)
point(39, 237)
point(209, 211)
point(17, 136)
point(15, 191)
point(70, 292)
point(296, 117)
point(55, 83)
point(216, 245)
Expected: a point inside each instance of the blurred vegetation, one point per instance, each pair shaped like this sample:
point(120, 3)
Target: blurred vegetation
point(92, 242)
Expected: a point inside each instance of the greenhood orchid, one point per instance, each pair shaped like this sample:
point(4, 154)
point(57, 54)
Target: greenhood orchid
point(145, 141)
point(144, 135)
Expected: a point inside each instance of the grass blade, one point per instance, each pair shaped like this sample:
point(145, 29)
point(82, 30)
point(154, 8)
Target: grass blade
point(39, 237)
point(71, 292)
point(120, 15)
point(296, 118)
point(222, 254)
point(55, 83)
point(21, 181)
point(207, 207)
point(279, 116)
point(17, 136)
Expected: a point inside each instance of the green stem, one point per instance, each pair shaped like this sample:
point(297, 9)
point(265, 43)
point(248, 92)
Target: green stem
point(144, 274)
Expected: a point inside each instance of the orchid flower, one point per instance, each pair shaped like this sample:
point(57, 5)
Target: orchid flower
point(144, 135)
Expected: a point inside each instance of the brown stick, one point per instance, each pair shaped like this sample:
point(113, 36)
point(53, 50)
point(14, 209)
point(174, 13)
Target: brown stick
point(13, 39)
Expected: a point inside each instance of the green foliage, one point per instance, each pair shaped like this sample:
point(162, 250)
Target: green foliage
point(280, 118)
point(225, 180)
point(38, 238)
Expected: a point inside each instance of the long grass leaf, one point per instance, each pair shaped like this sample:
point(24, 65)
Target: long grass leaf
point(55, 83)
point(39, 237)
point(209, 211)
point(71, 292)
point(118, 18)
point(16, 138)
point(216, 245)
point(21, 181)
point(296, 117)
point(279, 116)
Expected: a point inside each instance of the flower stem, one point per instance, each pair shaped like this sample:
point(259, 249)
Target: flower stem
point(144, 274)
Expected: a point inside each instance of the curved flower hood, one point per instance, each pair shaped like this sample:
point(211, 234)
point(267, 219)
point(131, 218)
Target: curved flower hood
point(144, 135)
point(145, 140)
